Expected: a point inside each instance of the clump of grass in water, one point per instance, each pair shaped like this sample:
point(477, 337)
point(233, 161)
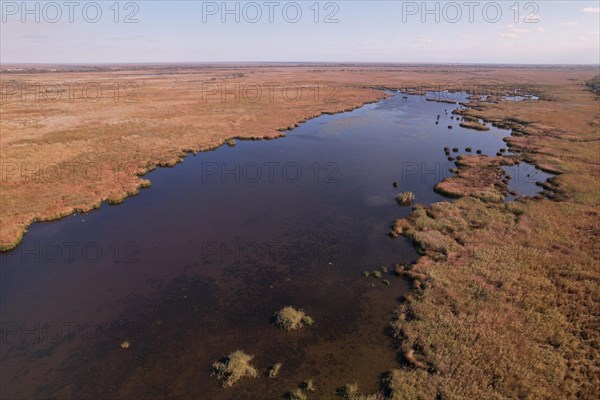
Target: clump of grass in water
point(296, 394)
point(274, 370)
point(384, 269)
point(231, 142)
point(386, 282)
point(348, 391)
point(233, 368)
point(289, 318)
point(406, 198)
point(376, 274)
point(366, 274)
point(308, 385)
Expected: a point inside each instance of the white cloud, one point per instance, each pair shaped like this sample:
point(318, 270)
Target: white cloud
point(591, 10)
point(569, 23)
point(509, 35)
point(541, 30)
point(516, 30)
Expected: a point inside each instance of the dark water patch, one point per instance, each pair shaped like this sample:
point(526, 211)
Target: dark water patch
point(525, 179)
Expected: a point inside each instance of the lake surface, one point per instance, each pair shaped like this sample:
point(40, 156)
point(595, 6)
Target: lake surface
point(195, 267)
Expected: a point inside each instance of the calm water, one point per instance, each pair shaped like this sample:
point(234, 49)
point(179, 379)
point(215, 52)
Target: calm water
point(195, 267)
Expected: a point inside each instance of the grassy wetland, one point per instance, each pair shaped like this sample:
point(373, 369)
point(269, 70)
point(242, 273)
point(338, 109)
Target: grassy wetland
point(501, 300)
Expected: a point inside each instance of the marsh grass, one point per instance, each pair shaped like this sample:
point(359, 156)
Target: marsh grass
point(289, 319)
point(348, 391)
point(308, 385)
point(273, 371)
point(405, 199)
point(233, 368)
point(474, 125)
point(296, 394)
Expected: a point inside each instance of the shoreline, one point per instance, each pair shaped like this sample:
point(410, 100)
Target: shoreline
point(437, 231)
point(183, 153)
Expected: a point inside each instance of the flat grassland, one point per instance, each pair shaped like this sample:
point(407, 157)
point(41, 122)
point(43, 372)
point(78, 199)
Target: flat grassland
point(506, 300)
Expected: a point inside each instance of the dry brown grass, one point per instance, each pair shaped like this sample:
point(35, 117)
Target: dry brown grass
point(233, 368)
point(405, 198)
point(507, 296)
point(289, 319)
point(477, 176)
point(474, 125)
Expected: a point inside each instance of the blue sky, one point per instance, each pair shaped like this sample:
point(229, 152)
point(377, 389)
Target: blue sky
point(561, 32)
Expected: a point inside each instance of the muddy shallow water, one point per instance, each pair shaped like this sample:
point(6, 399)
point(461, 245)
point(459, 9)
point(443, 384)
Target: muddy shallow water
point(194, 267)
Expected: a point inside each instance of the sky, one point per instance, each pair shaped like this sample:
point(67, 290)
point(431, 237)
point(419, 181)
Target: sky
point(523, 32)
